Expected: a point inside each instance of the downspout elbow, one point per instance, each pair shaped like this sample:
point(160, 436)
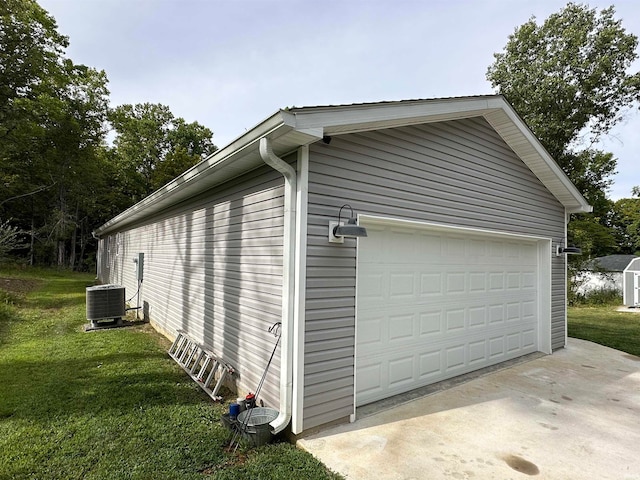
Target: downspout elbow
point(275, 162)
point(288, 283)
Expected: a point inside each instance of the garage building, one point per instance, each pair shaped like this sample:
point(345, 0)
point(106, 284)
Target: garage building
point(464, 212)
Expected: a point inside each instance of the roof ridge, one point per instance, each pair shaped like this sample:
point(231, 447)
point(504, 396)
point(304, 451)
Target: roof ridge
point(294, 109)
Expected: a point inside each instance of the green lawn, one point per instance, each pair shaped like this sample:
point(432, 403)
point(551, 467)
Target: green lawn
point(606, 326)
point(108, 404)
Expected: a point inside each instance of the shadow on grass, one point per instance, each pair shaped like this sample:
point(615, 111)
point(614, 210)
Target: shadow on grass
point(103, 384)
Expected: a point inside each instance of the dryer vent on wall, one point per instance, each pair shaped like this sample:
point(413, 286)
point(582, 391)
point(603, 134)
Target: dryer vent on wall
point(105, 302)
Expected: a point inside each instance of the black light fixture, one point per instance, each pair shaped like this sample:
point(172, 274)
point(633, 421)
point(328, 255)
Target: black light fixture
point(570, 250)
point(338, 230)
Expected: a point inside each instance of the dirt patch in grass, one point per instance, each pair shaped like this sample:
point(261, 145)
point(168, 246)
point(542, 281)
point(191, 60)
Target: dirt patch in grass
point(18, 286)
point(238, 459)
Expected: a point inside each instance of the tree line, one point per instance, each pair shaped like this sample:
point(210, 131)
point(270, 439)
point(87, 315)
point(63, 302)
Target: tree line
point(59, 177)
point(568, 77)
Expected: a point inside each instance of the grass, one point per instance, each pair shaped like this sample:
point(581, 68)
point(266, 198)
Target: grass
point(108, 404)
point(604, 325)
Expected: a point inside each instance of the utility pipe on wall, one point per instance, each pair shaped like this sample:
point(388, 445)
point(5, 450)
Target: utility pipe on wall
point(288, 282)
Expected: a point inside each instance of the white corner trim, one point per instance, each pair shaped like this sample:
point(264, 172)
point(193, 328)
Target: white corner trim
point(545, 290)
point(565, 276)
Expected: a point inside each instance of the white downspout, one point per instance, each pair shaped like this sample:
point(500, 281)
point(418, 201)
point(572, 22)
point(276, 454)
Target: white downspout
point(288, 282)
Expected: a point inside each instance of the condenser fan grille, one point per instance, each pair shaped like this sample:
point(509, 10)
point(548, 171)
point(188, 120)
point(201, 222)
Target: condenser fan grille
point(105, 302)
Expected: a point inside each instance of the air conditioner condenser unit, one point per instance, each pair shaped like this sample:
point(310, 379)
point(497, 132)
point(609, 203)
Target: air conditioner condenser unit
point(105, 302)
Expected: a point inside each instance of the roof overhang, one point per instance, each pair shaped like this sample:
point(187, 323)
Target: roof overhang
point(291, 129)
point(239, 157)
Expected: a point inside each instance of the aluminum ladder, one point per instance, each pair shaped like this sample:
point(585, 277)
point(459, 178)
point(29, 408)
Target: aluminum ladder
point(201, 364)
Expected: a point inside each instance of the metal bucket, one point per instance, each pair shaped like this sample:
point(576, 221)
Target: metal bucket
point(254, 425)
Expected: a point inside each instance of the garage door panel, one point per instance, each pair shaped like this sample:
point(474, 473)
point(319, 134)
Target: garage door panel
point(428, 246)
point(455, 282)
point(477, 351)
point(430, 324)
point(513, 342)
point(477, 282)
point(401, 286)
point(396, 372)
point(523, 334)
point(372, 286)
point(403, 245)
point(401, 371)
point(386, 374)
point(370, 380)
point(454, 321)
point(455, 358)
point(432, 305)
point(513, 280)
point(430, 284)
point(430, 365)
point(513, 312)
point(529, 310)
point(370, 333)
point(477, 317)
point(395, 286)
point(402, 328)
point(530, 337)
point(497, 347)
point(406, 327)
point(496, 281)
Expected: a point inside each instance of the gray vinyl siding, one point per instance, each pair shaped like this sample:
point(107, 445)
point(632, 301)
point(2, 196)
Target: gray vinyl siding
point(453, 173)
point(213, 267)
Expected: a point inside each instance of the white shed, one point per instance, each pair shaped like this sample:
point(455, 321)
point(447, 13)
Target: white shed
point(603, 273)
point(631, 284)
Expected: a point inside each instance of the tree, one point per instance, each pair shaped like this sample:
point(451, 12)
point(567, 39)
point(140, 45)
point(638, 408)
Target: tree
point(59, 179)
point(569, 76)
point(52, 115)
point(152, 146)
point(11, 238)
point(626, 222)
point(30, 51)
point(569, 79)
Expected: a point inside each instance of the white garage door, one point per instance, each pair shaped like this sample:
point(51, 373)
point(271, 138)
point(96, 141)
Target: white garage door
point(436, 303)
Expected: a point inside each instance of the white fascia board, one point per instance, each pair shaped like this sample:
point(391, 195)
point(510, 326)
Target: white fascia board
point(522, 141)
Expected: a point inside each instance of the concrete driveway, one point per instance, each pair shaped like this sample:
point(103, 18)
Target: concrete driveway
point(571, 415)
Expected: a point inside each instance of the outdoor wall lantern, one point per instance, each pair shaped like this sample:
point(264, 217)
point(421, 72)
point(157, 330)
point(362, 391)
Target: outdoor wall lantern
point(338, 230)
point(570, 250)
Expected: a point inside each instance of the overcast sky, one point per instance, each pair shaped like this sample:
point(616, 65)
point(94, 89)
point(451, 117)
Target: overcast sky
point(230, 64)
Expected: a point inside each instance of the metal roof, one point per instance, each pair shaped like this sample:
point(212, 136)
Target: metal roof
point(294, 127)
